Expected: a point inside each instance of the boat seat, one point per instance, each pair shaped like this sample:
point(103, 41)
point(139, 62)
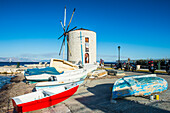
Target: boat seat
point(53, 91)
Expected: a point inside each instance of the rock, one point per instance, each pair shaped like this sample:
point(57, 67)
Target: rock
point(113, 101)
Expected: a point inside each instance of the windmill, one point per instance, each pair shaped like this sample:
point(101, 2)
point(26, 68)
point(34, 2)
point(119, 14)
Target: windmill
point(66, 31)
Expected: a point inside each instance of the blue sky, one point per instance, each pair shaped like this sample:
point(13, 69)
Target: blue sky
point(30, 28)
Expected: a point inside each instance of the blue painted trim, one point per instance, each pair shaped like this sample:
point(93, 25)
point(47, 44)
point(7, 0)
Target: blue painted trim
point(81, 48)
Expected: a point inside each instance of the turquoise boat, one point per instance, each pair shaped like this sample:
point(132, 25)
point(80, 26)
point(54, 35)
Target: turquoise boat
point(138, 85)
point(38, 71)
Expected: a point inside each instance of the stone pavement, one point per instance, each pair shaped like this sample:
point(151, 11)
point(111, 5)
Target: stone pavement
point(95, 94)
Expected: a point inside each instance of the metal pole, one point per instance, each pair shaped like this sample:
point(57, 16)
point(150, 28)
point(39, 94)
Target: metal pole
point(159, 64)
point(119, 54)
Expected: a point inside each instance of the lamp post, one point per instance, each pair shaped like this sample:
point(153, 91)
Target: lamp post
point(119, 54)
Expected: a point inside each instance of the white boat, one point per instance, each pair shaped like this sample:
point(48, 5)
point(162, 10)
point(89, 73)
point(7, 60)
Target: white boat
point(43, 98)
point(67, 74)
point(57, 67)
point(97, 73)
point(90, 67)
point(62, 65)
point(49, 77)
point(51, 84)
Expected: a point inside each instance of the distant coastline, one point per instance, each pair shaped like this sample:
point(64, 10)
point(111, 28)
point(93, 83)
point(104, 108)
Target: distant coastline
point(21, 63)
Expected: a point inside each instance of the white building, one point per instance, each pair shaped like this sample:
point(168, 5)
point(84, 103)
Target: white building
point(88, 46)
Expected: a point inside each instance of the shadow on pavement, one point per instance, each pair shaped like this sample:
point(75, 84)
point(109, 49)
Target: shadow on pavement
point(101, 101)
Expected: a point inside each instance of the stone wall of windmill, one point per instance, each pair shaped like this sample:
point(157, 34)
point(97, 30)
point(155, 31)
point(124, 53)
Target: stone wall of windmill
point(88, 46)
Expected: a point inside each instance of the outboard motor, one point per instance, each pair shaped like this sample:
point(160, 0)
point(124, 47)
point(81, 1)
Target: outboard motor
point(53, 78)
point(168, 66)
point(151, 66)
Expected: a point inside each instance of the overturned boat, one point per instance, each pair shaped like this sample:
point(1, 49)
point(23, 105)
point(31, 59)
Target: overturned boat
point(43, 98)
point(138, 85)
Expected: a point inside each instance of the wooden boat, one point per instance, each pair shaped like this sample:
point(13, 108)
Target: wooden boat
point(57, 67)
point(62, 65)
point(51, 73)
point(115, 72)
point(138, 85)
point(90, 67)
point(51, 84)
point(50, 77)
point(38, 71)
point(64, 81)
point(43, 98)
point(97, 73)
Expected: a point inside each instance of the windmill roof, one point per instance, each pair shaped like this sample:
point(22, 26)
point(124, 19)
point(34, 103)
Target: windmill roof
point(82, 29)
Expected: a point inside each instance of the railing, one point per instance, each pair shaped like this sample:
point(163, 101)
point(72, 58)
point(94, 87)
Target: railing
point(141, 66)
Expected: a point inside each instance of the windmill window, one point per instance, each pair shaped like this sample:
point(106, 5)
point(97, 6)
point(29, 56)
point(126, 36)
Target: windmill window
point(86, 44)
point(87, 47)
point(87, 39)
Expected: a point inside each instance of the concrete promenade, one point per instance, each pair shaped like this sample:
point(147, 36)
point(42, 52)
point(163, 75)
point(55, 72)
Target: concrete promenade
point(95, 94)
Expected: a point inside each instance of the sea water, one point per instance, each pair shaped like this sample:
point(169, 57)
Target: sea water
point(4, 80)
point(21, 63)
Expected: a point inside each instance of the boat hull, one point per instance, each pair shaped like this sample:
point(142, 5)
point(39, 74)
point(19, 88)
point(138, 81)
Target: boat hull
point(45, 102)
point(65, 76)
point(138, 86)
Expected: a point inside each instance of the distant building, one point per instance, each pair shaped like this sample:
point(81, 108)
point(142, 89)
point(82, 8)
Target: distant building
point(88, 46)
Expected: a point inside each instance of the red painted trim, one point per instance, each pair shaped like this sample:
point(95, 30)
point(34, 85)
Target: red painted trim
point(45, 102)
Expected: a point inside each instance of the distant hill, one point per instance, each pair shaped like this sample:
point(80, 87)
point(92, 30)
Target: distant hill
point(15, 59)
point(2, 59)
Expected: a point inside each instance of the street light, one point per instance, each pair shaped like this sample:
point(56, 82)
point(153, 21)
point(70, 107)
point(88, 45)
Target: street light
point(119, 54)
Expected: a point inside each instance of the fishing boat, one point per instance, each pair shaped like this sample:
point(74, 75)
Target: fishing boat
point(62, 65)
point(64, 81)
point(52, 77)
point(57, 67)
point(90, 67)
point(138, 85)
point(43, 98)
point(38, 71)
point(51, 84)
point(97, 73)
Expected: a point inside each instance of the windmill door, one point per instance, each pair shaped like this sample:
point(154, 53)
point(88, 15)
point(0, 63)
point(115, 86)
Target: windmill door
point(86, 58)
